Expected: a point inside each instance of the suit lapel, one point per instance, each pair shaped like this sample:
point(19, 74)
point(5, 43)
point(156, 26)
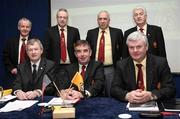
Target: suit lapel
point(41, 69)
point(56, 34)
point(149, 32)
point(88, 71)
point(69, 38)
point(132, 74)
point(149, 72)
point(113, 45)
point(94, 39)
point(16, 49)
point(27, 75)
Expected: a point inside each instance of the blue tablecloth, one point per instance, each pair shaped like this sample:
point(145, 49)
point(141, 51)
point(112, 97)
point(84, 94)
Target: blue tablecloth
point(92, 108)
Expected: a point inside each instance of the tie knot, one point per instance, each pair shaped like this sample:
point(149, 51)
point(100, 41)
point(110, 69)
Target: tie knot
point(23, 39)
point(141, 29)
point(103, 32)
point(139, 65)
point(62, 30)
point(83, 67)
point(34, 66)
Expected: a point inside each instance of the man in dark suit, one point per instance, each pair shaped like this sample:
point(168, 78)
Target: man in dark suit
point(93, 77)
point(153, 33)
point(113, 40)
point(12, 50)
point(30, 81)
point(151, 81)
point(58, 41)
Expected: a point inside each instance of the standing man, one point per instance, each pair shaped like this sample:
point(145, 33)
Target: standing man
point(142, 76)
point(14, 51)
point(153, 33)
point(59, 40)
point(106, 43)
point(91, 71)
point(29, 80)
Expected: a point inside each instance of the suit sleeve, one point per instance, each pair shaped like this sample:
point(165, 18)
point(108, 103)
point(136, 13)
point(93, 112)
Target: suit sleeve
point(125, 52)
point(97, 83)
point(17, 84)
point(167, 87)
point(117, 88)
point(63, 81)
point(50, 89)
point(6, 57)
point(120, 45)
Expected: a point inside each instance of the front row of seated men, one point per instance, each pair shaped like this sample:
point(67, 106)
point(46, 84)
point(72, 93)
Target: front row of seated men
point(156, 80)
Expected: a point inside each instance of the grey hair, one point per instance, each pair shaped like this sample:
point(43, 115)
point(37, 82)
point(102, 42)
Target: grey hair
point(102, 12)
point(135, 36)
point(62, 9)
point(140, 7)
point(32, 41)
point(24, 19)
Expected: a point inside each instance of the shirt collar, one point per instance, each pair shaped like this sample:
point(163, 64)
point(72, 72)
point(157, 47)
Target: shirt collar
point(37, 63)
point(24, 37)
point(143, 62)
point(106, 30)
point(144, 27)
point(65, 28)
point(80, 65)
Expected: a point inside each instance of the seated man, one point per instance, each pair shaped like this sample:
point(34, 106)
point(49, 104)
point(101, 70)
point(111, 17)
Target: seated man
point(29, 80)
point(142, 77)
point(93, 74)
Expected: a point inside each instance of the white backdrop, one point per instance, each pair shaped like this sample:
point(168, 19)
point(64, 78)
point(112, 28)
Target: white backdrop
point(164, 13)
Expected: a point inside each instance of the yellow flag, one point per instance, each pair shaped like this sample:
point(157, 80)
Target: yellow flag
point(7, 92)
point(78, 81)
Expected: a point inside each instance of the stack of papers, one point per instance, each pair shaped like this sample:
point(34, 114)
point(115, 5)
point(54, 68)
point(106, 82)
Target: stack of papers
point(148, 106)
point(61, 102)
point(18, 105)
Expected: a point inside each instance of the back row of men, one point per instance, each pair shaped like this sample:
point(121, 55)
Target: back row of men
point(108, 46)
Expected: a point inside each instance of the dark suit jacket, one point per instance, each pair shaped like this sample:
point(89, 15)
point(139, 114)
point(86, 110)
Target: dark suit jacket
point(52, 44)
point(24, 81)
point(10, 53)
point(155, 39)
point(94, 77)
point(116, 41)
point(157, 70)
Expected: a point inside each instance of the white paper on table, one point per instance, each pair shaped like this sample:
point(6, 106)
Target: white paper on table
point(18, 105)
point(148, 106)
point(7, 98)
point(59, 101)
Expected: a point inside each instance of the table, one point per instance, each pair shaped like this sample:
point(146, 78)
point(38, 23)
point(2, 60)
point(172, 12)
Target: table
point(92, 108)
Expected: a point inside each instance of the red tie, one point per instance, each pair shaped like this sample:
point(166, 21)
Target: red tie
point(141, 29)
point(83, 71)
point(63, 46)
point(23, 51)
point(140, 82)
point(101, 48)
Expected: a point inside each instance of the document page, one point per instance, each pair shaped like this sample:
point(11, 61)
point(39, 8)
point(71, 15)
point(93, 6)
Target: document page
point(60, 101)
point(7, 98)
point(18, 105)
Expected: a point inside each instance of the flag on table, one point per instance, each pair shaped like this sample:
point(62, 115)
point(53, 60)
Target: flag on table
point(78, 81)
point(46, 82)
